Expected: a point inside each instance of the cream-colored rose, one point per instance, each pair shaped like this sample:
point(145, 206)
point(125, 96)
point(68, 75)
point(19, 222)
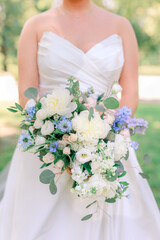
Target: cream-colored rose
point(38, 123)
point(47, 128)
point(72, 137)
point(48, 158)
point(39, 140)
point(89, 130)
point(66, 150)
point(60, 102)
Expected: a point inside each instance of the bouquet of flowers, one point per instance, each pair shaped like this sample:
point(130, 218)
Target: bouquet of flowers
point(88, 137)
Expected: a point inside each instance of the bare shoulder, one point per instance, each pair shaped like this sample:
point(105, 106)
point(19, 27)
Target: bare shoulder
point(35, 25)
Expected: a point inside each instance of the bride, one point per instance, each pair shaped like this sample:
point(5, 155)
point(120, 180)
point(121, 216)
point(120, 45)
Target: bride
point(76, 38)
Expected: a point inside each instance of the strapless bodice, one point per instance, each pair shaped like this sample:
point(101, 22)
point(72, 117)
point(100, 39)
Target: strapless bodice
point(99, 67)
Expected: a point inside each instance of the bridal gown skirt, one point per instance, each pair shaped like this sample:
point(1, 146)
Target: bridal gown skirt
point(28, 210)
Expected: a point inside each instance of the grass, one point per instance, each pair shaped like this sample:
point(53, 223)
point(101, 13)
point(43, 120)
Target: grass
point(150, 143)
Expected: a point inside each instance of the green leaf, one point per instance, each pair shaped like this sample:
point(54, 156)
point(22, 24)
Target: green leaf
point(46, 176)
point(123, 174)
point(144, 175)
point(87, 217)
point(111, 103)
point(91, 112)
point(110, 200)
point(100, 108)
point(19, 107)
point(82, 107)
point(127, 155)
point(124, 183)
point(100, 97)
point(87, 167)
point(91, 204)
point(111, 136)
point(147, 159)
point(52, 187)
point(31, 93)
point(120, 168)
point(12, 110)
point(111, 178)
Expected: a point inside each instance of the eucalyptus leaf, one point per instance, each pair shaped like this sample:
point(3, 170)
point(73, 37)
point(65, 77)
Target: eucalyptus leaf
point(19, 107)
point(112, 178)
point(111, 103)
point(111, 136)
point(46, 176)
point(91, 204)
point(91, 113)
point(120, 168)
point(144, 175)
point(87, 217)
point(31, 93)
point(147, 159)
point(100, 108)
point(110, 200)
point(52, 187)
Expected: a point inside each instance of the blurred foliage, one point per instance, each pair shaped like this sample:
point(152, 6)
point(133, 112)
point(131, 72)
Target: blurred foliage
point(144, 17)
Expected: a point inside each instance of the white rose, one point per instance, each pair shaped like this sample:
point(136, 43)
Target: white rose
point(30, 103)
point(116, 88)
point(38, 123)
point(41, 114)
point(120, 147)
point(39, 140)
point(47, 128)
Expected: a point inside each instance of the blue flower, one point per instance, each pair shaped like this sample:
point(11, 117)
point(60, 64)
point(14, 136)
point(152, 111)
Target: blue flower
point(65, 125)
point(30, 113)
point(134, 145)
point(53, 147)
point(25, 140)
point(128, 196)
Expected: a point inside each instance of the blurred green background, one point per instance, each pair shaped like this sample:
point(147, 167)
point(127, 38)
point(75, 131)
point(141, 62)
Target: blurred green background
point(145, 19)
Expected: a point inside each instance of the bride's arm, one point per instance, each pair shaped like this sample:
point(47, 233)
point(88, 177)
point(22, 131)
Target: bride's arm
point(27, 59)
point(129, 74)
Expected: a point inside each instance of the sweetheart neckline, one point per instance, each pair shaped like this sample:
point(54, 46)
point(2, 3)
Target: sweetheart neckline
point(73, 45)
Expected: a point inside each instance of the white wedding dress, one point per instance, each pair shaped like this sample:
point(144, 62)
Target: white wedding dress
point(28, 211)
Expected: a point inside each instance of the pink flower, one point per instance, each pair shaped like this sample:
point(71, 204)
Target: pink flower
point(125, 133)
point(90, 102)
point(66, 150)
point(61, 144)
point(109, 118)
point(58, 167)
point(80, 100)
point(65, 138)
point(48, 158)
point(72, 137)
